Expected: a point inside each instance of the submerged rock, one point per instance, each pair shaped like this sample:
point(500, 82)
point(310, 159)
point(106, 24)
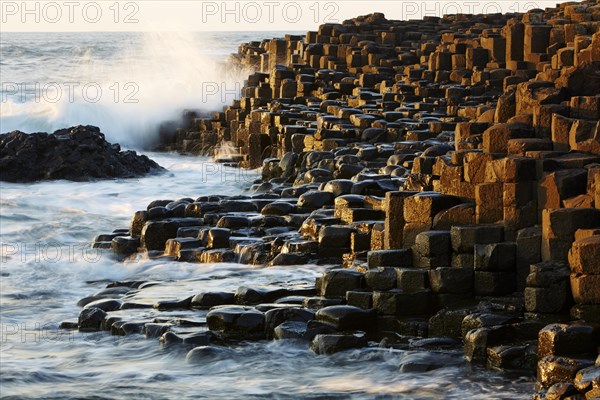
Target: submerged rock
point(78, 153)
point(203, 354)
point(427, 361)
point(290, 330)
point(333, 343)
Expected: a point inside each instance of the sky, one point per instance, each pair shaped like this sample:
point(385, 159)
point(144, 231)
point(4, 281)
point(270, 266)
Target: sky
point(228, 15)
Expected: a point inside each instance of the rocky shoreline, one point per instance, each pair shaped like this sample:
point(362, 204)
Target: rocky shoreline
point(448, 172)
point(79, 153)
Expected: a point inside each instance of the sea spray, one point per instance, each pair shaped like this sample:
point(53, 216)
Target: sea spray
point(128, 91)
point(226, 151)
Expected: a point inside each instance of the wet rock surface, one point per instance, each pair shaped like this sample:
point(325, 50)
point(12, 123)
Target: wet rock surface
point(446, 174)
point(78, 153)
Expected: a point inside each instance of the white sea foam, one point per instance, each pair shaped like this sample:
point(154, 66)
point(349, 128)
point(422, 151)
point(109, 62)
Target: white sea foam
point(128, 92)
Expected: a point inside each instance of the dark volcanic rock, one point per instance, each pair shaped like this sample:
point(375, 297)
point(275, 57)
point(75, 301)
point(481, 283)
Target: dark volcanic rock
point(329, 344)
point(211, 299)
point(345, 318)
point(90, 319)
point(79, 153)
point(425, 361)
point(237, 322)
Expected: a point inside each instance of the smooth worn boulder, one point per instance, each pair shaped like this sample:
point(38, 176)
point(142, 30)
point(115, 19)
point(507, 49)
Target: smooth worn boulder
point(277, 316)
point(78, 153)
point(170, 339)
point(211, 299)
point(250, 296)
point(278, 208)
point(339, 187)
point(315, 199)
point(205, 354)
point(125, 328)
point(156, 330)
point(347, 318)
point(177, 304)
point(427, 361)
point(333, 343)
point(199, 338)
point(90, 319)
point(289, 259)
point(105, 304)
point(234, 322)
point(295, 330)
point(123, 246)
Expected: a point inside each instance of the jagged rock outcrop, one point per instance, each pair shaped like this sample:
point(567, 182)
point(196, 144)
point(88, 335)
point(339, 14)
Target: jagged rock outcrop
point(80, 153)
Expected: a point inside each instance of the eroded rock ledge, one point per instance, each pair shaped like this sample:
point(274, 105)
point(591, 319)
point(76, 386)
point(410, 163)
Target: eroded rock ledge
point(78, 153)
point(449, 171)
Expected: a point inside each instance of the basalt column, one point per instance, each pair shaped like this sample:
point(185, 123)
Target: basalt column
point(514, 32)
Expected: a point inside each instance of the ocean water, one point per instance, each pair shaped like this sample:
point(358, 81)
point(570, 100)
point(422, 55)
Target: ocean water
point(47, 265)
point(125, 83)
